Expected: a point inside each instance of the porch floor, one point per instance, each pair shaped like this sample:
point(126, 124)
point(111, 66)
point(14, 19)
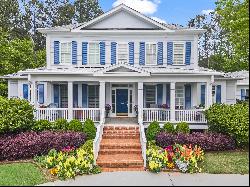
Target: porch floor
point(121, 121)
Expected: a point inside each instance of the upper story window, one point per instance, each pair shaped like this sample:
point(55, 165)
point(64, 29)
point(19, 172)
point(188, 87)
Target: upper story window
point(122, 52)
point(94, 53)
point(179, 53)
point(66, 52)
point(151, 54)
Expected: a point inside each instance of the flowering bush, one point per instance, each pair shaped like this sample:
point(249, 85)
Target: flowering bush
point(29, 144)
point(70, 162)
point(207, 141)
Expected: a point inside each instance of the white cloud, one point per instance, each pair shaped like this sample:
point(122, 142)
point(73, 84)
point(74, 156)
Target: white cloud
point(207, 12)
point(143, 6)
point(158, 19)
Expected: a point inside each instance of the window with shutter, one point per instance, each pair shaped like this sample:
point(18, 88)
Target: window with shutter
point(66, 52)
point(94, 53)
point(178, 53)
point(122, 55)
point(151, 54)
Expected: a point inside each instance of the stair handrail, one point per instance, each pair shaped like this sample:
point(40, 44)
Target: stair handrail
point(143, 141)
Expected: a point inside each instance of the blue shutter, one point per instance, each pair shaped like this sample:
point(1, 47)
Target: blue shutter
point(26, 91)
point(160, 53)
point(188, 96)
point(40, 88)
point(188, 53)
point(84, 53)
point(142, 53)
point(159, 94)
point(74, 52)
point(113, 52)
point(168, 95)
point(203, 94)
point(56, 52)
point(243, 94)
point(56, 94)
point(131, 52)
point(102, 53)
point(170, 53)
point(75, 95)
point(218, 94)
point(84, 95)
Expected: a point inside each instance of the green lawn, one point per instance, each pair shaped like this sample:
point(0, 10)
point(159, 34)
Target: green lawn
point(227, 162)
point(20, 174)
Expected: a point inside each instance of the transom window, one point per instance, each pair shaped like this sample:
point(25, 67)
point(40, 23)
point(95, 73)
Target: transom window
point(151, 54)
point(122, 52)
point(66, 52)
point(179, 53)
point(179, 97)
point(94, 53)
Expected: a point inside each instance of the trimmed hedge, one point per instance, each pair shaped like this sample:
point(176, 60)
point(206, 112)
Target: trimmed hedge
point(182, 127)
point(168, 128)
point(29, 144)
point(152, 130)
point(207, 141)
point(232, 120)
point(89, 129)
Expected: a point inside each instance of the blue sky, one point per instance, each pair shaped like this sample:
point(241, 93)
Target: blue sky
point(170, 11)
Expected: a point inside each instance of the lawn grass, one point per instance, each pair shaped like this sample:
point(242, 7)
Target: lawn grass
point(20, 174)
point(226, 162)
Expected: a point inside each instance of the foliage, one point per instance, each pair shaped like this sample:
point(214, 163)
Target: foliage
point(16, 115)
point(207, 141)
point(232, 120)
point(89, 129)
point(29, 144)
point(60, 124)
point(70, 162)
point(182, 127)
point(152, 130)
point(75, 125)
point(42, 125)
point(168, 127)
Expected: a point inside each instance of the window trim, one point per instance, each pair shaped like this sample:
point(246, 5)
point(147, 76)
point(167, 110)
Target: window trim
point(88, 49)
point(184, 53)
point(60, 53)
point(151, 43)
point(117, 49)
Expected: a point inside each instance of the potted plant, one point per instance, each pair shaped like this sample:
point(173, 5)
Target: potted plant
point(107, 109)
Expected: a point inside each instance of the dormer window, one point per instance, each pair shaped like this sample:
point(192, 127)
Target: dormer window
point(66, 52)
point(94, 53)
point(151, 54)
point(179, 53)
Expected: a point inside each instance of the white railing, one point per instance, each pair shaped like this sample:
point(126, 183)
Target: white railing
point(86, 113)
point(99, 133)
point(191, 116)
point(156, 114)
point(51, 114)
point(143, 141)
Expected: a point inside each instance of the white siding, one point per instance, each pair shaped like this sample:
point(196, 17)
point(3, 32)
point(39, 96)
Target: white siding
point(13, 88)
point(231, 92)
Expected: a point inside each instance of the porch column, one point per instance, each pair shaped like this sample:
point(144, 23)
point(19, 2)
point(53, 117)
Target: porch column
point(140, 102)
point(70, 100)
point(102, 100)
point(209, 101)
point(33, 94)
point(172, 101)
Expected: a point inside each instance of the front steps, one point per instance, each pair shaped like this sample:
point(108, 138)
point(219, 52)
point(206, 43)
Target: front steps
point(120, 149)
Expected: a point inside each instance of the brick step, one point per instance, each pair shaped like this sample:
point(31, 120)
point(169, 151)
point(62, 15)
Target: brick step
point(122, 136)
point(121, 169)
point(120, 144)
point(121, 128)
point(119, 151)
point(121, 131)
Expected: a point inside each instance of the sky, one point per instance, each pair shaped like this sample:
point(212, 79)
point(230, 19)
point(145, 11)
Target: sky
point(169, 11)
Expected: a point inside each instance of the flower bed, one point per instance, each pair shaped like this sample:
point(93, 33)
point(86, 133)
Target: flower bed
point(29, 144)
point(185, 158)
point(207, 141)
point(70, 162)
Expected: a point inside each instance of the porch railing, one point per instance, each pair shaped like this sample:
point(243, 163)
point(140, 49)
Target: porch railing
point(51, 114)
point(191, 116)
point(86, 113)
point(156, 114)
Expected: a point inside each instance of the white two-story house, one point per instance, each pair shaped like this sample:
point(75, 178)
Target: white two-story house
point(140, 67)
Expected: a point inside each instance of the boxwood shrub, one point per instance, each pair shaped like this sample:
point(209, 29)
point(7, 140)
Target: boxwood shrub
point(16, 115)
point(60, 124)
point(232, 120)
point(29, 144)
point(182, 127)
point(75, 125)
point(168, 127)
point(89, 129)
point(42, 125)
point(152, 130)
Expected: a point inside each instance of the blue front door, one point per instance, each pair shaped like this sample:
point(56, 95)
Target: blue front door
point(122, 101)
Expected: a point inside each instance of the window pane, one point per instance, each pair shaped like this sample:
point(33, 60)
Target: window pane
point(93, 96)
point(123, 53)
point(179, 97)
point(94, 53)
point(150, 95)
point(66, 52)
point(151, 54)
point(178, 53)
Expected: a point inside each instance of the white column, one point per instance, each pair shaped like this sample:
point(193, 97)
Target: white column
point(209, 101)
point(164, 99)
point(172, 101)
point(195, 51)
point(140, 102)
point(33, 94)
point(102, 100)
point(70, 100)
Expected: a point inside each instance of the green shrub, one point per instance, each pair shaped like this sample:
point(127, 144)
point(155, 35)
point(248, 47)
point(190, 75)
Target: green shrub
point(60, 124)
point(182, 127)
point(75, 125)
point(152, 130)
point(16, 115)
point(89, 129)
point(232, 120)
point(42, 125)
point(88, 146)
point(168, 127)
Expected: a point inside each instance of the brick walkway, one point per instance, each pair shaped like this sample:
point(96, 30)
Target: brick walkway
point(120, 149)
